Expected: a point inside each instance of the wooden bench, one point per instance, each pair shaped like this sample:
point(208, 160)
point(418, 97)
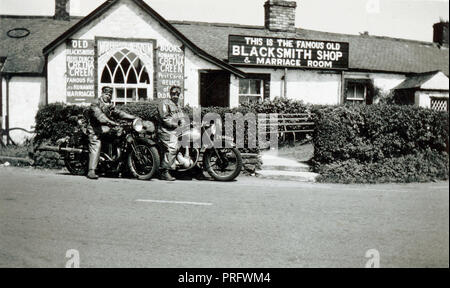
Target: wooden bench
point(288, 124)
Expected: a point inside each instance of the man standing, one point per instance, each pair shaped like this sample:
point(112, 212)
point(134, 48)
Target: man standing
point(100, 120)
point(170, 117)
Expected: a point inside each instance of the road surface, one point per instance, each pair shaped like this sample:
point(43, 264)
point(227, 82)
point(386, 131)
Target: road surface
point(248, 223)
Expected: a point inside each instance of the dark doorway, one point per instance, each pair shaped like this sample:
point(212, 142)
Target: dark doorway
point(214, 89)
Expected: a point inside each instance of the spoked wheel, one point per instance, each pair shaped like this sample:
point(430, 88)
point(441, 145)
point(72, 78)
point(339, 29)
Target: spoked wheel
point(143, 161)
point(226, 167)
point(76, 163)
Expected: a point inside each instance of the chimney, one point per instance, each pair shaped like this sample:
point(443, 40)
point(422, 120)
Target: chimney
point(62, 10)
point(440, 35)
point(280, 15)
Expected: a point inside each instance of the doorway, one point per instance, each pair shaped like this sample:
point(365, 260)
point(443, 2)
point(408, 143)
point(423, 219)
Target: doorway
point(214, 88)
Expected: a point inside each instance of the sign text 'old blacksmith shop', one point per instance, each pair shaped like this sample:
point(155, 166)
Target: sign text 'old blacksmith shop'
point(287, 53)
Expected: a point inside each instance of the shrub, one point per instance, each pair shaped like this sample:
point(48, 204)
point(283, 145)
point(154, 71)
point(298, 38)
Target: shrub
point(145, 110)
point(26, 151)
point(380, 143)
point(420, 167)
point(376, 132)
point(55, 121)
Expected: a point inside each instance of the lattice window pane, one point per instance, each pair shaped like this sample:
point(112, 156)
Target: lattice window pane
point(439, 104)
point(127, 74)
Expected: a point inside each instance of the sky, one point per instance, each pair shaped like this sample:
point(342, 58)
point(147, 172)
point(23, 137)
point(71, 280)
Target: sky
point(408, 19)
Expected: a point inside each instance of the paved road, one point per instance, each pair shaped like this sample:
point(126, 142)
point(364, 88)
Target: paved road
point(249, 223)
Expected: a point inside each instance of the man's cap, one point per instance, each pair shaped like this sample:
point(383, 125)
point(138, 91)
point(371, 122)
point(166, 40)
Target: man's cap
point(107, 90)
point(175, 89)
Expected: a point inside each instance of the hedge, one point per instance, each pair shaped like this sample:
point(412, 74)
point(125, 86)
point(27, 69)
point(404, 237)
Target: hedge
point(377, 132)
point(380, 143)
point(55, 121)
point(361, 144)
point(420, 167)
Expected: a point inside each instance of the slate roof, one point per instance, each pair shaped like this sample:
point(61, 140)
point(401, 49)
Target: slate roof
point(367, 53)
point(24, 55)
point(370, 53)
point(163, 22)
point(416, 81)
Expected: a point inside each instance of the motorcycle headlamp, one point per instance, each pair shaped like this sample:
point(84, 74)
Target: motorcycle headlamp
point(138, 125)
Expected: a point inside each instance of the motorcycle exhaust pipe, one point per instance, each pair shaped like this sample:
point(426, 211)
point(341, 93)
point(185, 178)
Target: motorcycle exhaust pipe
point(61, 149)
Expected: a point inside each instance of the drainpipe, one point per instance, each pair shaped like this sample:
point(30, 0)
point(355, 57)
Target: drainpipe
point(342, 96)
point(7, 78)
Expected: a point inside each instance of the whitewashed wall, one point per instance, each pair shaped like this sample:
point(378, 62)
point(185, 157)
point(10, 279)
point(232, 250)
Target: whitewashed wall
point(384, 81)
point(125, 20)
point(192, 83)
point(314, 86)
point(423, 98)
point(25, 96)
point(3, 87)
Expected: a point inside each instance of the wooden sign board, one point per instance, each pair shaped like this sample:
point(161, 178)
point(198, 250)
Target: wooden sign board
point(80, 81)
point(287, 53)
point(169, 71)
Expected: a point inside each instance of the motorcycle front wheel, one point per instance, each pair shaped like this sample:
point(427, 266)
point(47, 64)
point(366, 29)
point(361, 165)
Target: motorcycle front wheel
point(226, 167)
point(143, 161)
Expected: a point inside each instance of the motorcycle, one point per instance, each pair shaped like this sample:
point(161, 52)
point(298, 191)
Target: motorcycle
point(222, 164)
point(126, 148)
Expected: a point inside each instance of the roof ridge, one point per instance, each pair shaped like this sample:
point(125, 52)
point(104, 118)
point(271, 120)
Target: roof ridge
point(373, 36)
point(189, 22)
point(34, 16)
point(235, 25)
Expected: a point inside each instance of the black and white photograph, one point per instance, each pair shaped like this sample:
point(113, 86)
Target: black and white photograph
point(246, 135)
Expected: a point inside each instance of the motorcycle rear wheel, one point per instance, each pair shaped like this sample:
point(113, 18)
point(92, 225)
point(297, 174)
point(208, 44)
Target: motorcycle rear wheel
point(222, 171)
point(143, 169)
point(76, 163)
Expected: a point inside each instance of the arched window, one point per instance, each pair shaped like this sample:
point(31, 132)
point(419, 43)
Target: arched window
point(127, 74)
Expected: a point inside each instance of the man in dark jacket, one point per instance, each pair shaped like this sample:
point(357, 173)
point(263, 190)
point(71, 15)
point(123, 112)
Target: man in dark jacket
point(171, 117)
point(101, 115)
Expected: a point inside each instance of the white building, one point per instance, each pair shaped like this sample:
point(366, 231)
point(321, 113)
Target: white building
point(128, 45)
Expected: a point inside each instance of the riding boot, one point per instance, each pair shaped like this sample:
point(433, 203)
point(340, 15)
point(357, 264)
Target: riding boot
point(92, 175)
point(165, 176)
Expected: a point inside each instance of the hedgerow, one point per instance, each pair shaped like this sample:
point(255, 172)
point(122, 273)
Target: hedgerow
point(379, 143)
point(352, 144)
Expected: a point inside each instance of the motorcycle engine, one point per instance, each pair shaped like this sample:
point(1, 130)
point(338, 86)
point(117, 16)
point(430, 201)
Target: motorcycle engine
point(184, 162)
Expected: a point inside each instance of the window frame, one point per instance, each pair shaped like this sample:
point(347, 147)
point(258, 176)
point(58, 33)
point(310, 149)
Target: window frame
point(368, 91)
point(434, 98)
point(126, 86)
point(250, 95)
point(264, 88)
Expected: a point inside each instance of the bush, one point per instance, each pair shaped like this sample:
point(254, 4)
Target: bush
point(420, 167)
point(380, 143)
point(26, 151)
point(55, 121)
point(376, 132)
